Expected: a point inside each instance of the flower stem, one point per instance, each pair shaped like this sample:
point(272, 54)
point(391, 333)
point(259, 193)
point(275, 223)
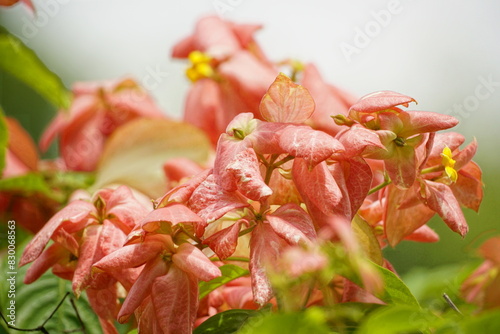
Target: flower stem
point(232, 258)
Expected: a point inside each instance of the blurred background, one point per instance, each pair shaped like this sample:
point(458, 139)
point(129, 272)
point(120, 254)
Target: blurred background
point(445, 54)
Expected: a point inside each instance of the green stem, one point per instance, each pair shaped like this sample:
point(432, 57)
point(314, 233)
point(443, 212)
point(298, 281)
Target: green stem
point(246, 231)
point(380, 186)
point(192, 236)
point(431, 170)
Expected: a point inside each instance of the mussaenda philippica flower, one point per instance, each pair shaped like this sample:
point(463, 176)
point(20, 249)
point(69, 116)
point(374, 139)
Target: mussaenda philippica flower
point(200, 66)
point(449, 164)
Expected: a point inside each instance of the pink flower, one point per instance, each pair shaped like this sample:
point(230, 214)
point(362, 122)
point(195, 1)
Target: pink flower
point(229, 72)
point(172, 268)
point(96, 111)
point(83, 233)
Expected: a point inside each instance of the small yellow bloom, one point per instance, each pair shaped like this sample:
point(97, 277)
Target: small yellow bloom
point(200, 66)
point(449, 164)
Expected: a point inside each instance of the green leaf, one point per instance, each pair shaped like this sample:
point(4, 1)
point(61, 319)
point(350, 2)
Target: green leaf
point(226, 322)
point(488, 322)
point(312, 320)
point(27, 184)
point(35, 302)
point(395, 291)
point(229, 273)
point(22, 63)
point(396, 319)
point(4, 141)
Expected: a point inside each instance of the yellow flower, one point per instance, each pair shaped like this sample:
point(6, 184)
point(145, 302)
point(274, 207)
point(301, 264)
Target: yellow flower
point(449, 164)
point(200, 66)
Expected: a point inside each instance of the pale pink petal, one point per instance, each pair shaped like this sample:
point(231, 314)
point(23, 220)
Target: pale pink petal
point(204, 110)
point(399, 223)
point(175, 300)
point(172, 214)
point(469, 187)
point(286, 102)
point(177, 169)
point(192, 260)
point(329, 101)
point(74, 213)
point(317, 185)
point(224, 242)
point(358, 181)
point(463, 157)
point(245, 170)
point(265, 248)
point(142, 287)
point(292, 223)
point(425, 121)
point(211, 202)
point(183, 192)
point(440, 198)
point(215, 37)
point(358, 140)
point(312, 145)
point(104, 303)
point(124, 210)
point(379, 101)
point(423, 234)
point(46, 260)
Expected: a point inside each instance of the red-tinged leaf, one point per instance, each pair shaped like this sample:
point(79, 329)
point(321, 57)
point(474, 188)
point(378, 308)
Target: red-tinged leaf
point(401, 166)
point(400, 223)
point(175, 300)
point(423, 234)
point(75, 213)
point(224, 242)
point(286, 102)
point(124, 210)
point(178, 169)
point(451, 139)
point(183, 192)
point(266, 139)
point(311, 145)
point(490, 250)
point(317, 185)
point(328, 100)
point(192, 260)
point(358, 140)
point(211, 202)
point(21, 145)
point(379, 101)
point(292, 223)
point(245, 171)
point(248, 79)
point(98, 241)
point(104, 303)
point(142, 287)
point(227, 149)
point(215, 36)
point(170, 215)
point(469, 188)
point(204, 110)
point(265, 248)
point(358, 178)
point(440, 198)
point(46, 260)
point(416, 122)
point(66, 240)
point(463, 157)
point(130, 256)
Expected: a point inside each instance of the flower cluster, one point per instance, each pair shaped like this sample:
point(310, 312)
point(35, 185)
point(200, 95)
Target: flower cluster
point(300, 171)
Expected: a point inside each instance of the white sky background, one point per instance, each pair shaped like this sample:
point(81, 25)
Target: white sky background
point(439, 52)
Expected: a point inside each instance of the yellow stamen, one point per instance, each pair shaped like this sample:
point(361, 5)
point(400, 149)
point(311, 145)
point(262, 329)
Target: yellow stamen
point(200, 66)
point(449, 164)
